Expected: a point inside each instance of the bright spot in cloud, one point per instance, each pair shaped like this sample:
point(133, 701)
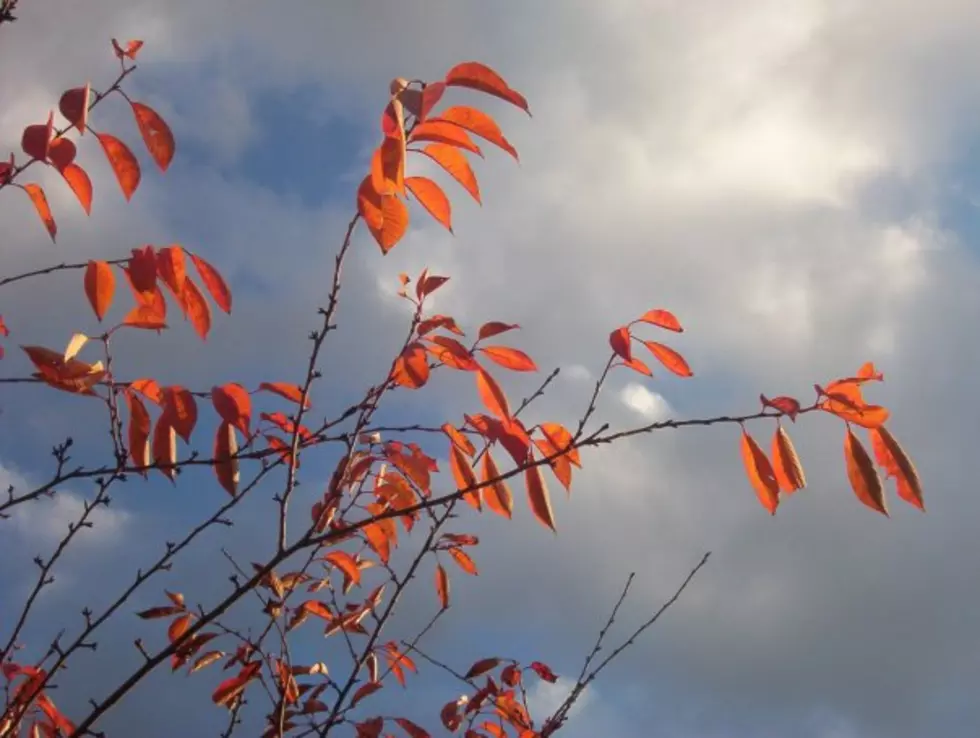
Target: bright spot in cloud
point(650, 405)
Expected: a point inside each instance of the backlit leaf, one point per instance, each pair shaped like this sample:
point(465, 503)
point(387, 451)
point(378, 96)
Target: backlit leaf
point(290, 391)
point(463, 476)
point(760, 473)
point(233, 404)
point(124, 164)
point(537, 494)
point(662, 319)
point(346, 563)
point(394, 223)
point(172, 268)
point(413, 730)
point(139, 430)
point(411, 368)
point(669, 358)
point(132, 47)
point(893, 458)
point(862, 475)
point(464, 561)
point(196, 308)
point(786, 405)
point(478, 122)
point(74, 106)
point(510, 358)
point(100, 285)
point(495, 328)
point(444, 132)
point(442, 586)
point(492, 395)
point(786, 464)
point(75, 345)
point(43, 209)
point(180, 408)
point(497, 495)
point(80, 184)
point(619, 340)
point(459, 439)
point(364, 690)
point(178, 627)
point(481, 667)
point(213, 283)
point(165, 446)
point(432, 198)
point(454, 162)
point(62, 153)
point(156, 134)
point(480, 77)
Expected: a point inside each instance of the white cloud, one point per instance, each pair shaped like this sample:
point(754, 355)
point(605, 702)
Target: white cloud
point(651, 405)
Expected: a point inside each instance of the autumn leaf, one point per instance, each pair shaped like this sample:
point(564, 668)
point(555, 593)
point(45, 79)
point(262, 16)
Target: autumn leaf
point(662, 319)
point(463, 476)
point(62, 153)
point(289, 391)
point(365, 690)
point(619, 340)
point(411, 369)
point(394, 223)
point(413, 730)
point(180, 409)
point(213, 283)
point(510, 358)
point(165, 446)
point(233, 404)
point(124, 164)
point(760, 473)
point(156, 134)
point(36, 139)
point(196, 308)
point(537, 494)
point(172, 268)
point(178, 627)
point(346, 563)
point(442, 586)
point(432, 198)
point(897, 463)
point(444, 132)
point(459, 440)
point(669, 358)
point(463, 560)
point(480, 77)
point(786, 405)
point(478, 122)
point(100, 284)
point(36, 194)
point(142, 270)
point(544, 672)
point(786, 464)
point(80, 184)
point(139, 430)
point(637, 365)
point(481, 667)
point(149, 388)
point(454, 162)
point(495, 328)
point(491, 394)
point(862, 475)
point(132, 47)
point(74, 105)
point(452, 353)
point(497, 495)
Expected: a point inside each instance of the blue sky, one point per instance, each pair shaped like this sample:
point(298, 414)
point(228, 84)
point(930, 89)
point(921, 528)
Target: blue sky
point(796, 182)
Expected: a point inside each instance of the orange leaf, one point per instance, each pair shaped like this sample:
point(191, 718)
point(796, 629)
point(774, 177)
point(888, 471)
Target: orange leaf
point(290, 391)
point(454, 162)
point(346, 563)
point(619, 340)
point(669, 358)
point(142, 271)
point(452, 353)
point(442, 586)
point(369, 205)
point(662, 319)
point(213, 282)
point(178, 627)
point(491, 394)
point(132, 46)
point(561, 438)
point(197, 308)
point(786, 405)
point(156, 134)
point(786, 464)
point(478, 122)
point(62, 152)
point(233, 403)
point(459, 440)
point(394, 222)
point(180, 408)
point(388, 166)
point(139, 431)
point(413, 730)
point(760, 473)
point(148, 388)
point(165, 446)
point(124, 164)
point(80, 184)
point(74, 106)
point(638, 366)
point(432, 198)
point(867, 416)
point(43, 209)
point(482, 667)
point(510, 358)
point(892, 456)
point(145, 316)
point(494, 328)
point(498, 494)
point(172, 268)
point(444, 132)
point(862, 475)
point(537, 494)
point(464, 476)
point(411, 368)
point(364, 690)
point(100, 284)
point(464, 561)
point(560, 465)
point(480, 77)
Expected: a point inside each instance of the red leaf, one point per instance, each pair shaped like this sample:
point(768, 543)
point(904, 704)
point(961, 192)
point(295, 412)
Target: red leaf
point(213, 282)
point(481, 667)
point(196, 308)
point(463, 476)
point(346, 563)
point(100, 284)
point(143, 269)
point(74, 106)
point(444, 132)
point(43, 209)
point(411, 368)
point(62, 153)
point(442, 586)
point(233, 403)
point(786, 405)
point(225, 460)
point(180, 409)
point(492, 395)
point(480, 77)
point(497, 495)
point(464, 561)
point(432, 198)
point(537, 494)
point(669, 358)
point(364, 690)
point(156, 134)
point(178, 627)
point(662, 319)
point(638, 366)
point(478, 122)
point(36, 140)
point(760, 473)
point(124, 164)
point(290, 391)
point(139, 431)
point(454, 162)
point(132, 46)
point(510, 358)
point(80, 184)
point(494, 328)
point(544, 672)
point(413, 730)
point(619, 340)
point(172, 268)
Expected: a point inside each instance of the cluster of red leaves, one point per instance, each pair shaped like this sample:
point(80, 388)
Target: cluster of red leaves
point(44, 143)
point(26, 700)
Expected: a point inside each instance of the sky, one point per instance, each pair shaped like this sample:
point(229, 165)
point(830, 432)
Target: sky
point(797, 182)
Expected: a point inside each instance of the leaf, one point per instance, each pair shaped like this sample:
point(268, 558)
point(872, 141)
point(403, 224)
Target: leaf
point(432, 198)
point(394, 222)
point(290, 391)
point(464, 561)
point(510, 358)
point(232, 402)
point(80, 184)
point(491, 394)
point(638, 366)
point(178, 627)
point(411, 369)
point(139, 431)
point(388, 166)
point(62, 153)
point(454, 162)
point(786, 464)
point(206, 659)
point(124, 164)
point(560, 438)
point(180, 408)
point(480, 77)
point(230, 689)
point(444, 132)
point(786, 405)
point(463, 476)
point(165, 446)
point(156, 134)
point(146, 317)
point(100, 285)
point(413, 730)
point(481, 667)
point(662, 319)
point(537, 494)
point(213, 283)
point(459, 440)
point(74, 106)
point(452, 353)
point(478, 122)
point(172, 268)
point(225, 459)
point(897, 463)
point(442, 586)
point(760, 473)
point(429, 284)
point(158, 612)
point(132, 46)
point(497, 495)
point(196, 308)
point(346, 563)
point(544, 672)
point(619, 340)
point(75, 345)
point(36, 140)
point(862, 475)
point(669, 358)
point(43, 209)
point(365, 690)
point(495, 328)
point(369, 205)
point(142, 271)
